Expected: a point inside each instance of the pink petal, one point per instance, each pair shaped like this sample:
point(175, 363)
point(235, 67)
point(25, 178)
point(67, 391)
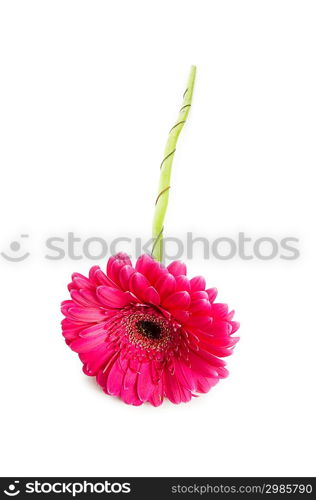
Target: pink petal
point(86, 314)
point(212, 294)
point(222, 352)
point(90, 296)
point(222, 371)
point(145, 386)
point(72, 326)
point(171, 386)
point(230, 315)
point(112, 297)
point(129, 390)
point(152, 296)
point(210, 358)
point(166, 285)
point(66, 305)
point(177, 300)
point(184, 374)
point(79, 299)
point(92, 275)
point(124, 276)
point(220, 310)
point(69, 336)
point(115, 263)
point(103, 374)
point(115, 379)
point(203, 322)
point(185, 394)
point(183, 283)
point(94, 330)
point(204, 384)
point(130, 378)
point(71, 286)
point(221, 328)
point(157, 395)
point(201, 306)
point(96, 358)
point(67, 323)
point(199, 295)
point(138, 285)
point(134, 365)
point(156, 371)
point(150, 268)
point(224, 341)
point(177, 268)
point(201, 366)
point(115, 271)
point(81, 281)
point(235, 325)
point(86, 344)
point(197, 283)
point(181, 315)
point(103, 279)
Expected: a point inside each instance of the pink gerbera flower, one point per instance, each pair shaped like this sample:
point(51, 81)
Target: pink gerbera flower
point(148, 332)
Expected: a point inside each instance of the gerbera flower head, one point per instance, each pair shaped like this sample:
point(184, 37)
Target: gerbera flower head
point(148, 332)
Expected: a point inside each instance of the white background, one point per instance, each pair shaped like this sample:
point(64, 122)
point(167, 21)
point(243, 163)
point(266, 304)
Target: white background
point(88, 92)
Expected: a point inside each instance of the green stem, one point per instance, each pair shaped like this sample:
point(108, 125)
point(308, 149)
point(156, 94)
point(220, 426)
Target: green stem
point(165, 168)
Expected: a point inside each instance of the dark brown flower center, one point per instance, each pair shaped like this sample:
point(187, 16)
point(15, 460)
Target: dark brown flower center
point(149, 329)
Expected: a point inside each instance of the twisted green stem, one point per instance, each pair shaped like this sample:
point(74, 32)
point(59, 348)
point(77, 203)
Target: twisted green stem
point(165, 168)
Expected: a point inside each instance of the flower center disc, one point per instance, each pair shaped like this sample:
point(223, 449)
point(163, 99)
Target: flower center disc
point(149, 329)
